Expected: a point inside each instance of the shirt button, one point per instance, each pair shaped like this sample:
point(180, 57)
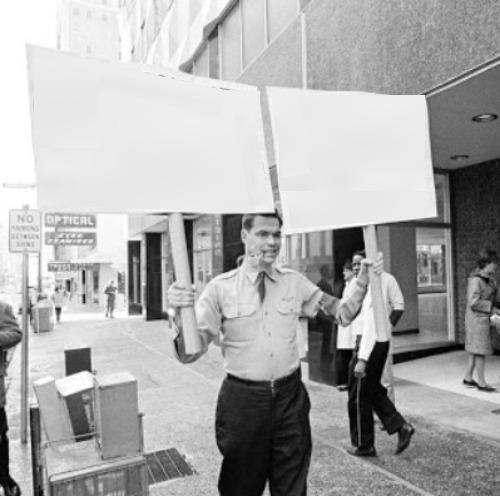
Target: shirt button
point(272, 354)
point(266, 313)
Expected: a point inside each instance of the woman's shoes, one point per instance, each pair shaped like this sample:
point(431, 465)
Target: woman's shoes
point(486, 388)
point(471, 383)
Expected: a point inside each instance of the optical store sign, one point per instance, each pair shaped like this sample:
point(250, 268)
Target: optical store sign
point(25, 231)
point(70, 229)
point(70, 220)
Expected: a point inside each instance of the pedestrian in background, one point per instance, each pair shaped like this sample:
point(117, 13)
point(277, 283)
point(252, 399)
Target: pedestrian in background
point(482, 302)
point(110, 291)
point(58, 299)
point(10, 335)
point(345, 336)
point(367, 394)
point(262, 419)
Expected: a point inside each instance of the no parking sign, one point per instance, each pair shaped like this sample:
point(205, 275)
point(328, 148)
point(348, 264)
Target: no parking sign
point(25, 231)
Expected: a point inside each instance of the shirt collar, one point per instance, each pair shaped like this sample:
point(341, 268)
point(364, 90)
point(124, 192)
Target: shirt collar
point(251, 273)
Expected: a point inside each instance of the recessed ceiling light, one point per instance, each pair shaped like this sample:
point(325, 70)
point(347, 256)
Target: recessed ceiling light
point(483, 118)
point(460, 158)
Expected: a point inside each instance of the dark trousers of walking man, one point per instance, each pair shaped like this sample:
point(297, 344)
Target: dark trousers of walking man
point(367, 395)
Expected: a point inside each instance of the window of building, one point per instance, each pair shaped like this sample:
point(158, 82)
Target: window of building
point(280, 13)
point(88, 49)
point(434, 269)
point(89, 14)
point(202, 251)
point(76, 11)
point(232, 245)
point(104, 18)
point(254, 29)
point(230, 30)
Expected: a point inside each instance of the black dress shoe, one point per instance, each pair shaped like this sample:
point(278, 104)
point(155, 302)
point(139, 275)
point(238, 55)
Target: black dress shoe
point(362, 451)
point(404, 437)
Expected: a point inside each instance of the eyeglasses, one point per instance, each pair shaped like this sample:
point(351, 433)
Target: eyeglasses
point(357, 264)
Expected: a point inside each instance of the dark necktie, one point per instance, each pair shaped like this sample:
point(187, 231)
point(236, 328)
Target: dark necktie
point(261, 285)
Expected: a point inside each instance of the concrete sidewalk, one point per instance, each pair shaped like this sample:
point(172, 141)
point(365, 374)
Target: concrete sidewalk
point(454, 452)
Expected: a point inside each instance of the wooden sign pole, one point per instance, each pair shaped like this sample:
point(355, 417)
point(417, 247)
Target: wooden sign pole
point(370, 238)
point(188, 326)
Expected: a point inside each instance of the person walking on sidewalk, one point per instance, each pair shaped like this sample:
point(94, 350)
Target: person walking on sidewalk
point(10, 335)
point(110, 291)
point(262, 417)
point(367, 394)
point(482, 302)
point(58, 299)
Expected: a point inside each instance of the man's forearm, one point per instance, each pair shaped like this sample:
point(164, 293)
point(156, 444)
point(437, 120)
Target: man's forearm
point(346, 310)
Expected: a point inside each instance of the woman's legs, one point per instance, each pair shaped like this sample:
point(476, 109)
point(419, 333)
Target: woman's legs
point(471, 363)
point(480, 362)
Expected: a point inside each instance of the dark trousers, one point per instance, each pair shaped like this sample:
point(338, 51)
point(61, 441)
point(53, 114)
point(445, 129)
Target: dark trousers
point(366, 396)
point(342, 359)
point(263, 434)
point(5, 479)
point(58, 313)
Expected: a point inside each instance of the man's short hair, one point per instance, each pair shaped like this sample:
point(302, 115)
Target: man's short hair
point(248, 219)
point(359, 253)
point(487, 256)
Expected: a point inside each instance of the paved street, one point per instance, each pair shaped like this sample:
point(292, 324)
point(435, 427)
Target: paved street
point(455, 450)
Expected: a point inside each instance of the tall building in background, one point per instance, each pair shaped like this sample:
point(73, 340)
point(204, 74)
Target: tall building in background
point(90, 27)
point(97, 29)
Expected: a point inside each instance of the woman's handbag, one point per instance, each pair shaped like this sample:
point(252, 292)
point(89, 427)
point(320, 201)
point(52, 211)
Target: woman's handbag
point(495, 331)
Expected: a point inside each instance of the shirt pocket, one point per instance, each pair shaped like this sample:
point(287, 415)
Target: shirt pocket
point(240, 323)
point(288, 311)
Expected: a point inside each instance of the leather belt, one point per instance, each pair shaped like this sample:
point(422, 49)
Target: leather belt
point(274, 383)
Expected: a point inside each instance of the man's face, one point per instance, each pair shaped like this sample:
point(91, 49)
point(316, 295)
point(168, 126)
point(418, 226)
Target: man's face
point(356, 264)
point(263, 239)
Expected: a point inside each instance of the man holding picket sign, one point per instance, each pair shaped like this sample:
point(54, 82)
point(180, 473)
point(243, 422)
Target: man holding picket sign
point(262, 419)
point(332, 149)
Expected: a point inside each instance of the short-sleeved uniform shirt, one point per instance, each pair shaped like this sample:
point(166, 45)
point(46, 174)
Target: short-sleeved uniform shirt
point(258, 340)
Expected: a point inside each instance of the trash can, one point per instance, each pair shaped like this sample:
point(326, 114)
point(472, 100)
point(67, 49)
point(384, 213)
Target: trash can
point(43, 315)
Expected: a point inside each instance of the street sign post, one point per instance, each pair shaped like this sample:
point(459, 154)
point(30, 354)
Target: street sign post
point(25, 231)
point(25, 234)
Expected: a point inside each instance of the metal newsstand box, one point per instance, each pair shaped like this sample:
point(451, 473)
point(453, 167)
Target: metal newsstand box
point(77, 470)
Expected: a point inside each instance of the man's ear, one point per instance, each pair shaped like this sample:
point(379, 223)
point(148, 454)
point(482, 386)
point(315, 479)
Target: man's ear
point(244, 236)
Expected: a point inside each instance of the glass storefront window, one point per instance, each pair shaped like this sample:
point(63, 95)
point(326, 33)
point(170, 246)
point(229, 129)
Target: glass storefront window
point(431, 264)
point(202, 251)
